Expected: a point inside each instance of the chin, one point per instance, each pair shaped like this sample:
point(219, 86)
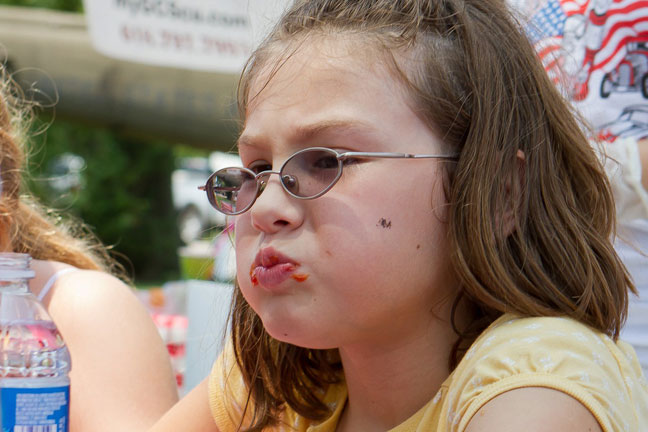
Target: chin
point(296, 334)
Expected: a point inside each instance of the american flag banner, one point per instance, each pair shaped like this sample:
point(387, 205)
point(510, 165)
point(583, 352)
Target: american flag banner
point(574, 38)
point(627, 21)
point(549, 21)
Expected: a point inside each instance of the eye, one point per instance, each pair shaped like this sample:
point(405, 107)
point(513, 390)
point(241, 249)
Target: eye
point(260, 166)
point(325, 161)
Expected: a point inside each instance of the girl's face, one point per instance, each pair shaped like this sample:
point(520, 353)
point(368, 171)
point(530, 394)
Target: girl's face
point(369, 259)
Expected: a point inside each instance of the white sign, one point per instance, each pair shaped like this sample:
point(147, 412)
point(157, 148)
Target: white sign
point(209, 35)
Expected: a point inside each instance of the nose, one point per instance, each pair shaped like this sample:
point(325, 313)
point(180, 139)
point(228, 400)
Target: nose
point(274, 209)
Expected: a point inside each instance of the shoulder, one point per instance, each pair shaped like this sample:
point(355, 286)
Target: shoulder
point(554, 353)
point(65, 279)
point(81, 289)
point(552, 338)
point(533, 409)
point(84, 303)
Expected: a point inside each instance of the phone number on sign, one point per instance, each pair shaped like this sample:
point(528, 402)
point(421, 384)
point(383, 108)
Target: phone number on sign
point(185, 42)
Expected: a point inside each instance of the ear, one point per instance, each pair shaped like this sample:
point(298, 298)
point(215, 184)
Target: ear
point(514, 195)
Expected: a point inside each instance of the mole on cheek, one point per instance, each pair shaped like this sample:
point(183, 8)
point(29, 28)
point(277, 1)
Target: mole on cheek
point(418, 246)
point(384, 223)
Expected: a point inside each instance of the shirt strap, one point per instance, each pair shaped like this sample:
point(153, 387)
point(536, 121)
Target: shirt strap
point(50, 282)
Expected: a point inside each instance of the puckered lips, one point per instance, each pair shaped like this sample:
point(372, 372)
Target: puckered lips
point(271, 269)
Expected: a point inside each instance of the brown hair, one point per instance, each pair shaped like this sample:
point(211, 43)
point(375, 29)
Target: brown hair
point(31, 228)
point(531, 231)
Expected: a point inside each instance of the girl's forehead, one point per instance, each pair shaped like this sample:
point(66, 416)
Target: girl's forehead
point(337, 56)
point(341, 64)
point(326, 93)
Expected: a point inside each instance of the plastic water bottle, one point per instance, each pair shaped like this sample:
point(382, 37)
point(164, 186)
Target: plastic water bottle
point(34, 361)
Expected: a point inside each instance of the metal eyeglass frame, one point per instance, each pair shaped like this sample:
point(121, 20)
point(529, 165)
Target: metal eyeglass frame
point(340, 158)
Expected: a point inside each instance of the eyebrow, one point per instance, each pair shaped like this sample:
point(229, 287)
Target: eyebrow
point(310, 131)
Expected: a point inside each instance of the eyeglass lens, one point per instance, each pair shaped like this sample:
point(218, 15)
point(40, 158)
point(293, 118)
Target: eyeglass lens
point(314, 171)
point(305, 174)
point(230, 190)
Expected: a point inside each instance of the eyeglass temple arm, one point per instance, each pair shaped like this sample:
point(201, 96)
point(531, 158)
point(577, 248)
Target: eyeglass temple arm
point(345, 155)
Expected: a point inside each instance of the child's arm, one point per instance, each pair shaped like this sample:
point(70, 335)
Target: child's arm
point(643, 155)
point(121, 378)
point(533, 409)
point(192, 413)
point(626, 164)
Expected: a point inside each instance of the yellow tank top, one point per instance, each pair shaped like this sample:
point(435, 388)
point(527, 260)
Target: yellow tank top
point(557, 353)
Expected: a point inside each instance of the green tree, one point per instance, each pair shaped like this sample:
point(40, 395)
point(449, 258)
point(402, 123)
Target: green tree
point(64, 5)
point(124, 194)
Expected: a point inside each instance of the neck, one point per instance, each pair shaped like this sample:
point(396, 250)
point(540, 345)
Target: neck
point(389, 382)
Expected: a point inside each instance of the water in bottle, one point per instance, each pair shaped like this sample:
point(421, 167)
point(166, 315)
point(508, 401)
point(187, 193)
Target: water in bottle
point(34, 361)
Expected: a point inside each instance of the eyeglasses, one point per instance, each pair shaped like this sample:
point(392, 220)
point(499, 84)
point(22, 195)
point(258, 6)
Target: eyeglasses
point(307, 174)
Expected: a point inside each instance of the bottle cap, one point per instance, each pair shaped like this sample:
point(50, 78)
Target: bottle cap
point(15, 274)
point(15, 266)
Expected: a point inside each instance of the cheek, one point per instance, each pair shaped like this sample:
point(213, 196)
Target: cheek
point(365, 242)
point(243, 247)
point(244, 276)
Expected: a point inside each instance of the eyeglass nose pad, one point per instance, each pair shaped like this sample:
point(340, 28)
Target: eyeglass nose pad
point(290, 182)
point(263, 182)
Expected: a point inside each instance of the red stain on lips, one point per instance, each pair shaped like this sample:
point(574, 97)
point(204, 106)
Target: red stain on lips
point(253, 277)
point(299, 277)
point(270, 268)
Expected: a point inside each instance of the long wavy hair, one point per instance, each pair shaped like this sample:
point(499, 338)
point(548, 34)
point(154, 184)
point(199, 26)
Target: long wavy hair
point(531, 211)
point(32, 228)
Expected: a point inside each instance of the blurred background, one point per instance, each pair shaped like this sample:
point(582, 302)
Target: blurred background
point(122, 144)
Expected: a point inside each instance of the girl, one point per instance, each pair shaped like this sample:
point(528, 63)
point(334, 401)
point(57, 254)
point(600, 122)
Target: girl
point(422, 236)
point(113, 343)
